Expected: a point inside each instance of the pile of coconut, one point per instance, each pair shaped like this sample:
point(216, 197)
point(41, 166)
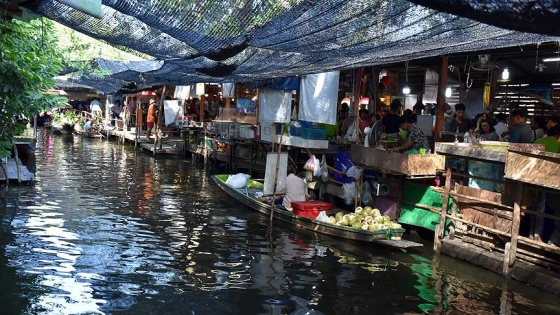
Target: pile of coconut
point(368, 219)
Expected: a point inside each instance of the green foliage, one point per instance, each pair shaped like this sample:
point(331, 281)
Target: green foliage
point(29, 61)
point(66, 117)
point(80, 51)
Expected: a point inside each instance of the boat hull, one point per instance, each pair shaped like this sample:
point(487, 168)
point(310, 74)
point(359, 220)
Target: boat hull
point(380, 237)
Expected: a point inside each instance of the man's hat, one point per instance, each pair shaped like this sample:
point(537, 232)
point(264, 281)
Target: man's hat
point(152, 101)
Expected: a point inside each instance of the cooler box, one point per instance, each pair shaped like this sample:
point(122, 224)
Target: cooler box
point(310, 209)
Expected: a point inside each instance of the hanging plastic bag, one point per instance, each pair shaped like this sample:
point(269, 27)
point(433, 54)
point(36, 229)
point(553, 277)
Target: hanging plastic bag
point(349, 193)
point(351, 133)
point(342, 163)
point(354, 172)
point(324, 169)
point(367, 198)
point(310, 164)
point(317, 168)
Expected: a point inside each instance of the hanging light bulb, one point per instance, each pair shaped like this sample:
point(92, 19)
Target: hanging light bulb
point(406, 88)
point(448, 91)
point(505, 74)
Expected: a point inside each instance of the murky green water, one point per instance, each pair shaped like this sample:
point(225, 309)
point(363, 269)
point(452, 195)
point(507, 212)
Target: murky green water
point(110, 230)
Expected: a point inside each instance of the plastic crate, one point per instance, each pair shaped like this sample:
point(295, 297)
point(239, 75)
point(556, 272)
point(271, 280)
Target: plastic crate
point(294, 131)
point(306, 124)
point(310, 209)
point(331, 129)
point(279, 129)
point(313, 134)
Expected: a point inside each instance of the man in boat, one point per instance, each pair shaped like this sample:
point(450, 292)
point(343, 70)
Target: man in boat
point(296, 189)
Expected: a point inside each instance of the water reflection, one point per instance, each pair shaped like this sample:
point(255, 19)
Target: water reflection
point(107, 229)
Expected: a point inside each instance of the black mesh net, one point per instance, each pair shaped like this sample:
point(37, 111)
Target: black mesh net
point(228, 40)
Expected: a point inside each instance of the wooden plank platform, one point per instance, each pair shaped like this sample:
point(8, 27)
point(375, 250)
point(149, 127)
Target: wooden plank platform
point(534, 167)
point(164, 148)
point(12, 170)
point(406, 164)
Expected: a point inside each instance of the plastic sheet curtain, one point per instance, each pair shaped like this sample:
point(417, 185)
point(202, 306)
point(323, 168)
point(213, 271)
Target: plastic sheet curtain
point(182, 92)
point(275, 105)
point(171, 110)
point(228, 90)
point(318, 97)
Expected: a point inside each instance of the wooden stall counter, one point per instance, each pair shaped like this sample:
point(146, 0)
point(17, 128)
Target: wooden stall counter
point(533, 166)
point(411, 165)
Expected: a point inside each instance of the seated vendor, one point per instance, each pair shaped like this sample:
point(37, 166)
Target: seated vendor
point(416, 138)
point(296, 189)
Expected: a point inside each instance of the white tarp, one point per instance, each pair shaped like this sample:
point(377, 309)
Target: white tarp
point(228, 90)
point(318, 97)
point(270, 173)
point(171, 111)
point(182, 92)
point(275, 105)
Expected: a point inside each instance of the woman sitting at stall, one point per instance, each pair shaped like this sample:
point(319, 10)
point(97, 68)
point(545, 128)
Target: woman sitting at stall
point(416, 140)
point(296, 189)
point(486, 131)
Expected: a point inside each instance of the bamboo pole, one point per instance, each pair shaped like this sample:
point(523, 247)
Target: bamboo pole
point(518, 192)
point(440, 229)
point(277, 166)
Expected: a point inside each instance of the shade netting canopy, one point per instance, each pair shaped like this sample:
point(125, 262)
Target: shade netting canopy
point(249, 40)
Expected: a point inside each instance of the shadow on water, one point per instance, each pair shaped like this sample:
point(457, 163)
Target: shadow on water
point(107, 229)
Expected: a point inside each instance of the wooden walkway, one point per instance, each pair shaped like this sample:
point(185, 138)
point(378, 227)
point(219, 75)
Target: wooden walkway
point(16, 172)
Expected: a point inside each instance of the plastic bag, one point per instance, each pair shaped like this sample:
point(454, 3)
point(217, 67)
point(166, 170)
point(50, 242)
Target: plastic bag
point(238, 180)
point(351, 133)
point(324, 169)
point(354, 172)
point(323, 217)
point(342, 163)
point(310, 164)
point(349, 192)
point(367, 198)
point(317, 168)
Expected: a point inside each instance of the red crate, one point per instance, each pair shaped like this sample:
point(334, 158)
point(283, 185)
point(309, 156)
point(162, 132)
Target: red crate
point(310, 209)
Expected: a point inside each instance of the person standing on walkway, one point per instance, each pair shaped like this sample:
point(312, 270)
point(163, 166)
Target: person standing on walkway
point(151, 119)
point(521, 131)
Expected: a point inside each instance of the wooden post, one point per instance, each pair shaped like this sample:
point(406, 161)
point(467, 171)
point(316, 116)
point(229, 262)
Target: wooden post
point(16, 159)
point(359, 185)
point(442, 80)
point(201, 109)
point(518, 193)
point(138, 124)
point(440, 228)
point(157, 126)
point(398, 206)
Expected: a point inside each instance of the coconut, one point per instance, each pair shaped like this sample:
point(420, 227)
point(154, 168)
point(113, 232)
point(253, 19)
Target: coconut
point(358, 210)
point(357, 225)
point(339, 215)
point(375, 213)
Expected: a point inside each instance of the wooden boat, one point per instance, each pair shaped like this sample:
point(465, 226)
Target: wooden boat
point(246, 196)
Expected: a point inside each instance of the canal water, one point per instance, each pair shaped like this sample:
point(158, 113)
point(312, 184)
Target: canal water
point(107, 229)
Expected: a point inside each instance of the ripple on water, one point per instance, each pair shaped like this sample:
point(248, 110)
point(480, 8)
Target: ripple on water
point(107, 229)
